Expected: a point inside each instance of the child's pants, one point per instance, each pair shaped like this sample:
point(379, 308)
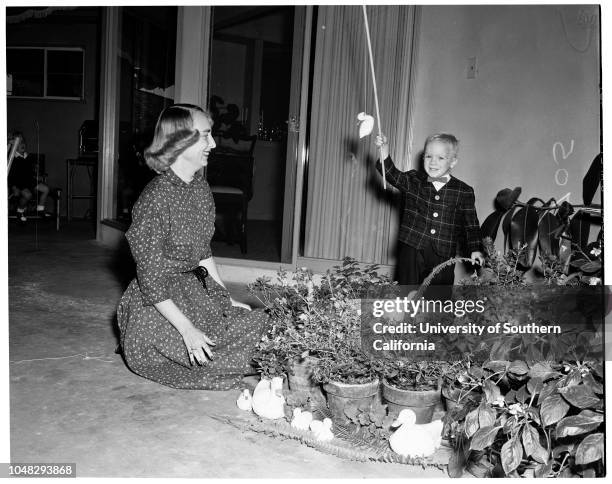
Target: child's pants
point(414, 265)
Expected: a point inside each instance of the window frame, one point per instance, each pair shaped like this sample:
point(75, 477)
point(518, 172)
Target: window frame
point(45, 73)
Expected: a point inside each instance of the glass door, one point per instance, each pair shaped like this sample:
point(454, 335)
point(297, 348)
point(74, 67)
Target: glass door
point(254, 99)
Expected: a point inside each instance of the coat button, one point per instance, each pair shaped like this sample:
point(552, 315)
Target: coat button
point(432, 231)
point(437, 197)
point(435, 214)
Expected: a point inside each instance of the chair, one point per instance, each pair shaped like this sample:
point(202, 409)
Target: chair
point(87, 159)
point(88, 138)
point(230, 176)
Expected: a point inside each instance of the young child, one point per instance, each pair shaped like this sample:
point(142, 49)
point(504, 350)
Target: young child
point(438, 212)
point(22, 180)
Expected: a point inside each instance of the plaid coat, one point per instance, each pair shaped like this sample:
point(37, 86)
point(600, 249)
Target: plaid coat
point(444, 217)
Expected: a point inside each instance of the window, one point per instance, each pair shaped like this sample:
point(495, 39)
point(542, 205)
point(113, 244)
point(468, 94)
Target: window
point(45, 72)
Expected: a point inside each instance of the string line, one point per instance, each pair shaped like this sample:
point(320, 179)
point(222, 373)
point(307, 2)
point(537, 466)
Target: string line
point(85, 357)
point(378, 120)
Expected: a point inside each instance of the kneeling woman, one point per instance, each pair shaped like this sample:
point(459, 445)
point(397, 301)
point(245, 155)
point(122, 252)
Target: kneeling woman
point(179, 326)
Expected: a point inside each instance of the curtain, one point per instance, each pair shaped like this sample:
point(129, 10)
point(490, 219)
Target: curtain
point(347, 211)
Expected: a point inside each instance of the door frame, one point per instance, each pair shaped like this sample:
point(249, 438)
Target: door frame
point(296, 153)
point(296, 133)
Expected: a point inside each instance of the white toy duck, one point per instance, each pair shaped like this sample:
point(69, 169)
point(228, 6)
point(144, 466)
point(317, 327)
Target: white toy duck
point(245, 401)
point(268, 399)
point(412, 440)
point(301, 419)
point(322, 430)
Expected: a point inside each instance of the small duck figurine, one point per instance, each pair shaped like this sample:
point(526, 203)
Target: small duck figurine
point(245, 401)
point(301, 419)
point(412, 440)
point(322, 430)
point(268, 399)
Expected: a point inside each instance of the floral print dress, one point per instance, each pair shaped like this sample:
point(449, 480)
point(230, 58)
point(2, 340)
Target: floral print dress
point(173, 223)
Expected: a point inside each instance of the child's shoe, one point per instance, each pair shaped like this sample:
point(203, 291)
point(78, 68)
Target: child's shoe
point(21, 217)
point(40, 211)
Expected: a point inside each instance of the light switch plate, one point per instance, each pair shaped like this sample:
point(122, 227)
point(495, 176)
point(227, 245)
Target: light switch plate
point(471, 68)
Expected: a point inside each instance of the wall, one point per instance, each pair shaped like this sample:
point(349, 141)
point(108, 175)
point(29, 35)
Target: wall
point(59, 121)
point(275, 27)
point(228, 72)
point(535, 98)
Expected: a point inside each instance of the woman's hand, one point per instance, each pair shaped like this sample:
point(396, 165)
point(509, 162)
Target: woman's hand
point(196, 342)
point(198, 345)
point(238, 304)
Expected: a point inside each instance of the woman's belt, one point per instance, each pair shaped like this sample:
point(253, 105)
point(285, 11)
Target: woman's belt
point(201, 273)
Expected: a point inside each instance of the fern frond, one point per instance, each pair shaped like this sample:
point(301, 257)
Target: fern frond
point(343, 445)
point(436, 270)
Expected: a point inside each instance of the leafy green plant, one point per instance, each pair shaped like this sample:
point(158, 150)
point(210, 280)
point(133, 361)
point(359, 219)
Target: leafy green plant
point(558, 233)
point(503, 270)
point(287, 301)
point(587, 265)
point(271, 357)
point(347, 365)
point(370, 420)
point(318, 317)
point(415, 375)
point(462, 382)
point(531, 411)
point(534, 420)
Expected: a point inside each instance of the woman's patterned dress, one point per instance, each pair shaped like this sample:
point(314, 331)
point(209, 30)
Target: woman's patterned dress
point(173, 222)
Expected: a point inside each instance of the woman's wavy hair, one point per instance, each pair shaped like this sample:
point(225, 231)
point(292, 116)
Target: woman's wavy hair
point(173, 134)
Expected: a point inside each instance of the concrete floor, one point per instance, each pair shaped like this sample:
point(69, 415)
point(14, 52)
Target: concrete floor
point(63, 289)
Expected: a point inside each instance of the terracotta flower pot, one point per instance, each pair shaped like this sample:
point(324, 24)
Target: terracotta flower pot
point(300, 378)
point(422, 402)
point(339, 395)
point(451, 398)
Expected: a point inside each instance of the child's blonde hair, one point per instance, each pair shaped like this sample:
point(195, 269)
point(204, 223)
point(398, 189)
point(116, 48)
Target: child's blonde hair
point(446, 138)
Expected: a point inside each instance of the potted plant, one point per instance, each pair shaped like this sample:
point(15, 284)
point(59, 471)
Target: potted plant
point(289, 301)
point(348, 375)
point(349, 378)
point(537, 414)
point(461, 385)
point(551, 425)
point(415, 385)
point(317, 328)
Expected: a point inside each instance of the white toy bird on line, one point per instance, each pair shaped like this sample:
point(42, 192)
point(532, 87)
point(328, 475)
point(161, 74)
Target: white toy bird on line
point(366, 124)
point(415, 440)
